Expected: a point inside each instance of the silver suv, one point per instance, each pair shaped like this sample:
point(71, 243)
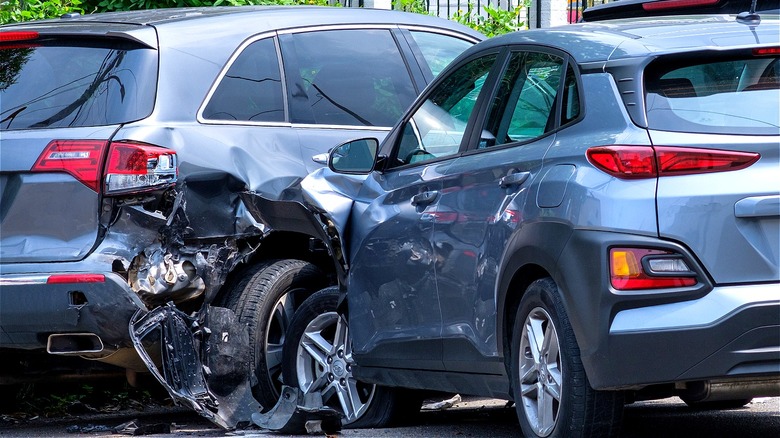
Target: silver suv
point(128, 139)
point(572, 218)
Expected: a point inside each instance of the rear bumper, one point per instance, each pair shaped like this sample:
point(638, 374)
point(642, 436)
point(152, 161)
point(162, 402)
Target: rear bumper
point(639, 338)
point(730, 332)
point(31, 310)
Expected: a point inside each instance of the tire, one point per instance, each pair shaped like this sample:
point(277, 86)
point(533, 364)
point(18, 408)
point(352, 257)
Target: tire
point(716, 405)
point(265, 299)
point(552, 394)
point(318, 357)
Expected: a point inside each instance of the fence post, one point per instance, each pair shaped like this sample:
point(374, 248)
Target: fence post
point(547, 13)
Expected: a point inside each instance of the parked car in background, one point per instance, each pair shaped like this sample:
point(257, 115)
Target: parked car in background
point(643, 8)
point(571, 218)
point(126, 140)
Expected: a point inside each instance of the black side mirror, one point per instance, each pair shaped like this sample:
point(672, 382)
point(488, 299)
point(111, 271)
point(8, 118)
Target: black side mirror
point(354, 157)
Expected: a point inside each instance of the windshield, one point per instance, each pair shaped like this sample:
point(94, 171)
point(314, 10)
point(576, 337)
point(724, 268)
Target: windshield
point(65, 83)
point(729, 96)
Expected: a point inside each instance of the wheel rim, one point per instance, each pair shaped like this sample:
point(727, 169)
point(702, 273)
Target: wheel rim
point(324, 363)
point(541, 375)
point(275, 335)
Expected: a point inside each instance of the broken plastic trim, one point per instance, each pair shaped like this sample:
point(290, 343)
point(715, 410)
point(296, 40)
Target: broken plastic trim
point(288, 416)
point(217, 388)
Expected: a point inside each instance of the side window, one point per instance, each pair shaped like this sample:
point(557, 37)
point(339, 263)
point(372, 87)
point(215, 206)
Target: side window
point(353, 77)
point(251, 90)
point(571, 97)
point(525, 101)
point(437, 127)
point(438, 50)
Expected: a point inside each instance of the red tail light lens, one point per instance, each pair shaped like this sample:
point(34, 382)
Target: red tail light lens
point(15, 35)
point(766, 51)
point(682, 161)
point(640, 268)
point(131, 167)
point(76, 278)
point(627, 162)
point(136, 167)
point(634, 162)
point(80, 158)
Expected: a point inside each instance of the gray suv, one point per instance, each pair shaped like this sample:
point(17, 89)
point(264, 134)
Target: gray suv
point(572, 218)
point(127, 139)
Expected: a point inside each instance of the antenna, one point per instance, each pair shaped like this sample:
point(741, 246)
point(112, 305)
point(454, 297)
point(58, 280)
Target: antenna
point(751, 17)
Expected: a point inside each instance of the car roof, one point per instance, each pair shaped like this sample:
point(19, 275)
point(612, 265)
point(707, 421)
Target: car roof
point(243, 20)
point(642, 37)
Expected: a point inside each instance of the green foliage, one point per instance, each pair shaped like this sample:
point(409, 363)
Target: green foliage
point(497, 21)
point(416, 6)
point(12, 11)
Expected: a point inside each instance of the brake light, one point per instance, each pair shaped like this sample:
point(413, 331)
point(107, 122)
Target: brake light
point(684, 161)
point(635, 162)
point(17, 35)
point(640, 268)
point(139, 167)
point(627, 162)
point(131, 167)
point(76, 278)
point(677, 4)
point(766, 51)
point(80, 158)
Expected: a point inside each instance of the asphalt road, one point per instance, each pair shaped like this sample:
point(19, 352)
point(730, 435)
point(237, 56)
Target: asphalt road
point(668, 418)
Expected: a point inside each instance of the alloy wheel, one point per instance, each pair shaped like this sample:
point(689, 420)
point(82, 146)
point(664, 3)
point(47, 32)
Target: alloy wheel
point(541, 374)
point(324, 363)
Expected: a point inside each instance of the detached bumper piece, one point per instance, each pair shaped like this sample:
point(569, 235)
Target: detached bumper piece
point(296, 413)
point(204, 363)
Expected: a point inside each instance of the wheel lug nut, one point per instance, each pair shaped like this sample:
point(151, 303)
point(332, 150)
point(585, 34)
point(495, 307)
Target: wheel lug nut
point(349, 368)
point(341, 353)
point(330, 377)
point(343, 382)
point(330, 359)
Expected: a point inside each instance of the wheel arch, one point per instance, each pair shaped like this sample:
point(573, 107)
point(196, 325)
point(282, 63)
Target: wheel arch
point(530, 255)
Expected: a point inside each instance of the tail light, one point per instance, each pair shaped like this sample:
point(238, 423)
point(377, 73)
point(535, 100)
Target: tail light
point(636, 162)
point(640, 268)
point(130, 167)
point(17, 35)
point(136, 167)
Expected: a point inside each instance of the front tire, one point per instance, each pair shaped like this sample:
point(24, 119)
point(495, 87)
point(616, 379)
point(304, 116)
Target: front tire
point(265, 300)
point(552, 394)
point(318, 357)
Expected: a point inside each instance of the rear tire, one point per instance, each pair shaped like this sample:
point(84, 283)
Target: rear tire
point(318, 357)
point(265, 299)
point(552, 394)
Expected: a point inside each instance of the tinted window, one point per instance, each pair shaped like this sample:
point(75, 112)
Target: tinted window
point(57, 83)
point(251, 90)
point(438, 50)
point(346, 77)
point(437, 127)
point(730, 96)
point(525, 100)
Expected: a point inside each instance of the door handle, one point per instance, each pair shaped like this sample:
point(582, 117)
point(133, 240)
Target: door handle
point(514, 179)
point(424, 198)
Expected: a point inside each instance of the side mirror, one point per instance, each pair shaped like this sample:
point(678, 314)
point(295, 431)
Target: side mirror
point(355, 157)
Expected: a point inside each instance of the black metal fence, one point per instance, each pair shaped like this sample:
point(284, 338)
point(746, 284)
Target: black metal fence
point(478, 8)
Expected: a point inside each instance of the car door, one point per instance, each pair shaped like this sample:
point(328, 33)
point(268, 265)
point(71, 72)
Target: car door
point(489, 196)
point(394, 309)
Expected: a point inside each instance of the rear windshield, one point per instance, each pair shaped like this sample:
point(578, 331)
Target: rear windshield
point(727, 96)
point(59, 83)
